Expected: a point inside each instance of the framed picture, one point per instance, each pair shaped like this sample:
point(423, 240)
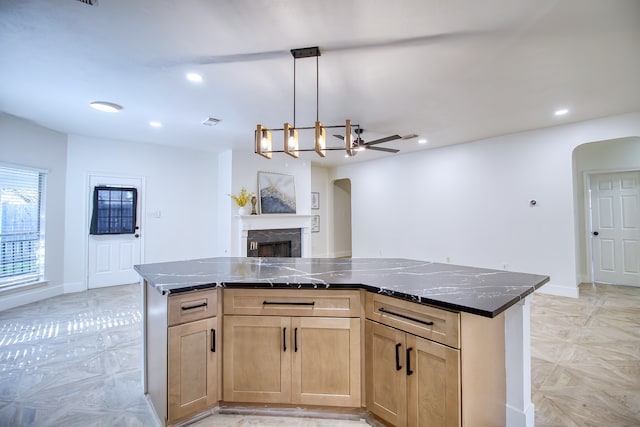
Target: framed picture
point(315, 224)
point(315, 200)
point(277, 193)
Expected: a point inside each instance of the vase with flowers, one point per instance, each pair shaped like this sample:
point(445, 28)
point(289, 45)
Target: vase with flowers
point(242, 200)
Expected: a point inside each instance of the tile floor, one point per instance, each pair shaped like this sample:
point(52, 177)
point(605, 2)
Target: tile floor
point(585, 364)
point(75, 360)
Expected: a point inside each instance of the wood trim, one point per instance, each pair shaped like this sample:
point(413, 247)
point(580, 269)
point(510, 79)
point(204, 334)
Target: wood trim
point(483, 371)
point(156, 348)
point(326, 303)
point(446, 324)
point(190, 306)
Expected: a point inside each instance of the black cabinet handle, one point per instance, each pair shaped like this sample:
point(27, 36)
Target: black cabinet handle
point(287, 303)
point(295, 340)
point(213, 340)
point(595, 233)
point(424, 322)
point(191, 307)
point(398, 367)
point(409, 371)
point(284, 339)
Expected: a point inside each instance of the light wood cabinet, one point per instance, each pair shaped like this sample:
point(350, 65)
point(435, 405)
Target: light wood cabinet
point(304, 360)
point(192, 368)
point(182, 348)
point(430, 367)
point(411, 381)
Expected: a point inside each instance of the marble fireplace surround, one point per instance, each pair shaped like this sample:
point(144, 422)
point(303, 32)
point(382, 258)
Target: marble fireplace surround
point(274, 222)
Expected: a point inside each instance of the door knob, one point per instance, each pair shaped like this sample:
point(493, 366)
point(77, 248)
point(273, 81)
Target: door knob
point(595, 233)
point(136, 235)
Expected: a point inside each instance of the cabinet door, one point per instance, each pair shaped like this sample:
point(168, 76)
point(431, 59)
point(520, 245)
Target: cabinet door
point(385, 372)
point(257, 359)
point(433, 384)
point(326, 361)
point(192, 368)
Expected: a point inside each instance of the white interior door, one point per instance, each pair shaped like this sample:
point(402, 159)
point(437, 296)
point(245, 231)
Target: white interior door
point(615, 227)
point(112, 256)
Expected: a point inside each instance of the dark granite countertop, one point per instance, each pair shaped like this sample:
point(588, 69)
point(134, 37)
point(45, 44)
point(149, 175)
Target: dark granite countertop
point(475, 290)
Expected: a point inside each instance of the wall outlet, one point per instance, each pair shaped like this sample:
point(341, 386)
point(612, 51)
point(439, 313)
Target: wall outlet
point(448, 260)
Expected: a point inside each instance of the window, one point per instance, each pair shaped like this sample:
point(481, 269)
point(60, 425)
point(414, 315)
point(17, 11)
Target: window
point(114, 210)
point(22, 194)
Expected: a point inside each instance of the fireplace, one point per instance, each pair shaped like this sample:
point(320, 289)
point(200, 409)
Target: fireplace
point(275, 243)
point(253, 230)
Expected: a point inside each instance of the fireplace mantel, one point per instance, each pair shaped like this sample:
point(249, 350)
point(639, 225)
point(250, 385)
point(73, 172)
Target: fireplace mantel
point(274, 221)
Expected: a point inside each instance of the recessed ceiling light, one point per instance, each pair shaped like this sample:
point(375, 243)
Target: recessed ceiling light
point(155, 124)
point(422, 141)
point(194, 77)
point(561, 112)
point(107, 107)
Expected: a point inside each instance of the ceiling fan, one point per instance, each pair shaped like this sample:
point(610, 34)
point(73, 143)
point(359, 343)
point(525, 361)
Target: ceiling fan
point(359, 144)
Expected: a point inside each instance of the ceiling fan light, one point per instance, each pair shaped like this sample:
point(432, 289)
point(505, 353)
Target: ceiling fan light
point(291, 140)
point(263, 142)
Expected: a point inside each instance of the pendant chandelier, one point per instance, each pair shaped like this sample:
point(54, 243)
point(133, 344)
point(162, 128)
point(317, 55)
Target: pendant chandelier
point(263, 141)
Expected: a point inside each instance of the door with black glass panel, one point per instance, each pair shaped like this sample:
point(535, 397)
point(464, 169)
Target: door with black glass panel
point(114, 243)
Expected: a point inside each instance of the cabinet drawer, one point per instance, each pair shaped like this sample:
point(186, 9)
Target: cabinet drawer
point(422, 320)
point(190, 306)
point(292, 302)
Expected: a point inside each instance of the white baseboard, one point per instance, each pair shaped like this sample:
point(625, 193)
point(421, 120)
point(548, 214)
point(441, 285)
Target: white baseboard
point(342, 254)
point(520, 418)
point(21, 297)
point(561, 291)
point(74, 287)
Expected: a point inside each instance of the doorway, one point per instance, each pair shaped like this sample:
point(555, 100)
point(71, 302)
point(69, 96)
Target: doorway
point(614, 202)
point(112, 254)
point(342, 245)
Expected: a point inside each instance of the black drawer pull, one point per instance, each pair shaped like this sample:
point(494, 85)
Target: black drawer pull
point(295, 340)
point(284, 339)
point(286, 303)
point(409, 371)
point(213, 340)
point(398, 367)
point(424, 322)
point(204, 304)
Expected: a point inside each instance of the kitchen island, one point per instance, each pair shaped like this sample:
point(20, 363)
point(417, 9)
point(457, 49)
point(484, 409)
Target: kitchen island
point(459, 304)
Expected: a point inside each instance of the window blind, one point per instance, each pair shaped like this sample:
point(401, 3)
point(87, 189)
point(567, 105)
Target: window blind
point(22, 193)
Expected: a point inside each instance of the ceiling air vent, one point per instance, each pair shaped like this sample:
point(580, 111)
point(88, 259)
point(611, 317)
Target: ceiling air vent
point(210, 121)
point(89, 2)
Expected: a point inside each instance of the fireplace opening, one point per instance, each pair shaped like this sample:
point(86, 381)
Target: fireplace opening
point(275, 249)
point(281, 243)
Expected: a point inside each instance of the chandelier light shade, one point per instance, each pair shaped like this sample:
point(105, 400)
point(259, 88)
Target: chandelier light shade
point(348, 139)
point(263, 142)
point(291, 146)
point(321, 140)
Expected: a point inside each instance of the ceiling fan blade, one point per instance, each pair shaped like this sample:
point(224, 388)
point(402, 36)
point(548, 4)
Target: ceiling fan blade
point(339, 137)
point(387, 150)
point(381, 140)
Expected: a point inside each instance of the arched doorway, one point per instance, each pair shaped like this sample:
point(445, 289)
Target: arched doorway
point(342, 218)
point(604, 206)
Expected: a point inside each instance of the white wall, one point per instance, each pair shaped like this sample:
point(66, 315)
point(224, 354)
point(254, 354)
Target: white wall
point(470, 202)
point(320, 240)
point(244, 173)
point(27, 144)
point(179, 183)
point(598, 157)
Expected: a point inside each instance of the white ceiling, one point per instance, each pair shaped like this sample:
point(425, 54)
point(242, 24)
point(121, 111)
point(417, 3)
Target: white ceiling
point(450, 71)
